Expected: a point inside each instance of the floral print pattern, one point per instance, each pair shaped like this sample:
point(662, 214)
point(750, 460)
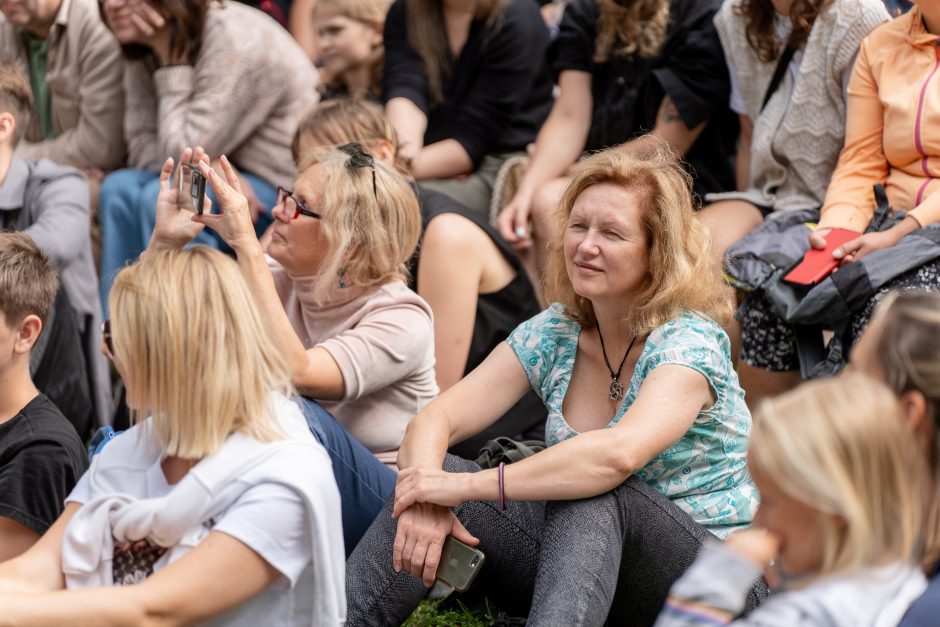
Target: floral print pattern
point(705, 472)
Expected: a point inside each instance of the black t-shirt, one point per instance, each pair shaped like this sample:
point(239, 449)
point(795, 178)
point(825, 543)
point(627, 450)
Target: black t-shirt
point(499, 90)
point(629, 90)
point(41, 460)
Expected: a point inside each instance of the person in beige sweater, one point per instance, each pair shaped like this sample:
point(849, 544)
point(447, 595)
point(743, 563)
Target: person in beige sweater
point(219, 75)
point(75, 70)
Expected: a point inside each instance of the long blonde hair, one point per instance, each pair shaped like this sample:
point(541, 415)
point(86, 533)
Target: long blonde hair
point(684, 272)
point(195, 350)
point(370, 232)
point(906, 326)
point(840, 446)
point(630, 27)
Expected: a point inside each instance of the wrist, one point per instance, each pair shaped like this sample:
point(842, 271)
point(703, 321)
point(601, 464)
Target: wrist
point(484, 485)
point(908, 225)
point(163, 243)
point(247, 247)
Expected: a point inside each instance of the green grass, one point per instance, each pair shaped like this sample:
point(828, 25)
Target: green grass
point(427, 615)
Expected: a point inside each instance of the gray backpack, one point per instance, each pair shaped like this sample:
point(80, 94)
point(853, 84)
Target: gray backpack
point(766, 254)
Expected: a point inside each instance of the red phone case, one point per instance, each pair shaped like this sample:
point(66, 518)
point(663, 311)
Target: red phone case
point(818, 264)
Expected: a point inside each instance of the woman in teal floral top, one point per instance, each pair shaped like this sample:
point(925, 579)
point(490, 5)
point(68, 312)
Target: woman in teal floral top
point(647, 426)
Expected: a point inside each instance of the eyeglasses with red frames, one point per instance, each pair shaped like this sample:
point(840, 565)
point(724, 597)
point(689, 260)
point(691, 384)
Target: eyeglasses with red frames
point(293, 206)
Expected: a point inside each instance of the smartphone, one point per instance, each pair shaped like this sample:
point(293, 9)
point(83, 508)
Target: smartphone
point(192, 186)
point(817, 264)
point(459, 564)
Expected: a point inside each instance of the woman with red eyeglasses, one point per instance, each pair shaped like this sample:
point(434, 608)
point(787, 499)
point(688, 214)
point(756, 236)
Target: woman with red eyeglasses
point(331, 286)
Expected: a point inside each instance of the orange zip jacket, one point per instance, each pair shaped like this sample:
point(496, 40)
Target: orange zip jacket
point(892, 127)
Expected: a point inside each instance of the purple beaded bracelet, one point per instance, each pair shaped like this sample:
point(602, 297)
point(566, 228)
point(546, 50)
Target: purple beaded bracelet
point(502, 487)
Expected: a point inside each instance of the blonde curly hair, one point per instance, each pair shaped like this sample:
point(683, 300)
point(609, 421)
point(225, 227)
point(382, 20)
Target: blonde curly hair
point(630, 27)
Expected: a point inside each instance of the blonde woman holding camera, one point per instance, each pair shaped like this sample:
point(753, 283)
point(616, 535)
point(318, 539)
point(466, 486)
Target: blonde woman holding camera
point(331, 289)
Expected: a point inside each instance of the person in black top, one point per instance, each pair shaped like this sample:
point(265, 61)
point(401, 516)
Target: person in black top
point(628, 71)
point(466, 83)
point(41, 457)
point(467, 273)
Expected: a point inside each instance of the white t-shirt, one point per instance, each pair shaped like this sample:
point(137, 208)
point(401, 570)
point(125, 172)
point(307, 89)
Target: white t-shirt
point(269, 518)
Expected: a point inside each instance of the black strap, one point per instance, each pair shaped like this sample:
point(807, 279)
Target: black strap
point(779, 73)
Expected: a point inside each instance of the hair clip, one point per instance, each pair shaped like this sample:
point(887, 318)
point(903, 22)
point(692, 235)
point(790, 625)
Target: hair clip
point(359, 158)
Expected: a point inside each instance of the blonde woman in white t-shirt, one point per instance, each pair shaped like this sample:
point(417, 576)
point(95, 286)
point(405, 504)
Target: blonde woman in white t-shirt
point(218, 505)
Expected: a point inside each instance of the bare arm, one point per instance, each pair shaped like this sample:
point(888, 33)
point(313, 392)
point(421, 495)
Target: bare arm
point(557, 147)
point(40, 567)
point(742, 162)
point(474, 403)
point(15, 538)
point(314, 372)
point(441, 160)
point(589, 464)
point(409, 122)
point(670, 128)
point(450, 270)
point(218, 575)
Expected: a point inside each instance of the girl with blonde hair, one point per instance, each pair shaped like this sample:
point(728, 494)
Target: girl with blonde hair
point(646, 433)
point(349, 43)
point(901, 347)
point(627, 71)
point(843, 495)
point(331, 286)
point(218, 505)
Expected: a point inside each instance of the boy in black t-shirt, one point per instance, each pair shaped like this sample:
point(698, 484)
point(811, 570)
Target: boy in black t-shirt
point(41, 456)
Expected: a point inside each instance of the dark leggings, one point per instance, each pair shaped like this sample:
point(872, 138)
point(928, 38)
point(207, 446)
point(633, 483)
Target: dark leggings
point(560, 563)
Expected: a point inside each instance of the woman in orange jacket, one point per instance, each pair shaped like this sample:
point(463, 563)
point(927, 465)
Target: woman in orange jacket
point(893, 102)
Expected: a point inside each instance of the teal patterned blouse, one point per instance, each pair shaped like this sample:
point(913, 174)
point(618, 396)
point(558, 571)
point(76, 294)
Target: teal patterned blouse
point(705, 472)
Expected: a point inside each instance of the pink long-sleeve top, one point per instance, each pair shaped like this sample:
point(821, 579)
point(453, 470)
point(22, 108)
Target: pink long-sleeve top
point(382, 339)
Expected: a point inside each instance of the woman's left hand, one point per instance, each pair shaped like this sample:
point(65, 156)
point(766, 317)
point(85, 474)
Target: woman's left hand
point(233, 222)
point(430, 485)
point(866, 244)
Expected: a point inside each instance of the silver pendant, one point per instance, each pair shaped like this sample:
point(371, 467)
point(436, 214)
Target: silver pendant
point(616, 390)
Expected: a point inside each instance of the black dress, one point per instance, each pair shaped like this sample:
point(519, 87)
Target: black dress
point(629, 90)
point(497, 315)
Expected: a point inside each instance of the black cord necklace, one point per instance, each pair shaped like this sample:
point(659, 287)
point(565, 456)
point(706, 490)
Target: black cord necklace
point(616, 387)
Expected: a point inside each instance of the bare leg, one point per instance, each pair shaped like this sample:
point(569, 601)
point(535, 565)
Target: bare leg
point(759, 384)
point(728, 221)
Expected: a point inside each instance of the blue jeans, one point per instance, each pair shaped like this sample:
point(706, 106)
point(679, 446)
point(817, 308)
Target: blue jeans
point(364, 482)
point(127, 209)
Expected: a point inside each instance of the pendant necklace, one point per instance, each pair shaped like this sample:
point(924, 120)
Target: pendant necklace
point(616, 387)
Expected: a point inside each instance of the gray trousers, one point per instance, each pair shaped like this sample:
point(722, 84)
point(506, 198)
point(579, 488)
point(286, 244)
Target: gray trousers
point(582, 562)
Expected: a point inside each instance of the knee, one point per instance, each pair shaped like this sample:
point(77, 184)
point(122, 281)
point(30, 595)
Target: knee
point(544, 202)
point(452, 463)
